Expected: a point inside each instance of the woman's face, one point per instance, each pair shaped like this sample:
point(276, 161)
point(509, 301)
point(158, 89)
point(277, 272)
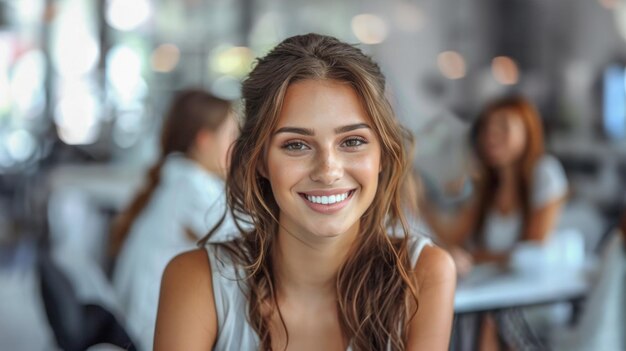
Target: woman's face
point(323, 160)
point(503, 138)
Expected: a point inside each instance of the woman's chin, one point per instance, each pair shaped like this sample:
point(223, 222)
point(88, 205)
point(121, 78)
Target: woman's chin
point(329, 232)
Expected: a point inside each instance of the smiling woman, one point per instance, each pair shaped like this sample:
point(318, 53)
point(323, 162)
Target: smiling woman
point(323, 149)
point(318, 172)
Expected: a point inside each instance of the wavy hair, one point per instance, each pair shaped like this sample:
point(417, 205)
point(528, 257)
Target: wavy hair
point(534, 149)
point(377, 295)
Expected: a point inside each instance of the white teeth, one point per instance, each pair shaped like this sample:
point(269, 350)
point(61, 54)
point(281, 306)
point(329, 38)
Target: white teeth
point(326, 200)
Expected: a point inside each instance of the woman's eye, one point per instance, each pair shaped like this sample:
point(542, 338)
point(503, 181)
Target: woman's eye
point(354, 142)
point(295, 146)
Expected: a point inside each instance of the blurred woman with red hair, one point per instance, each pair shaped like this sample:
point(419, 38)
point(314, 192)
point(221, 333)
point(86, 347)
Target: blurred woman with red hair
point(519, 193)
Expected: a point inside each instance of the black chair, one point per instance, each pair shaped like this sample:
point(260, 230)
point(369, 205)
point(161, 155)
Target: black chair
point(76, 325)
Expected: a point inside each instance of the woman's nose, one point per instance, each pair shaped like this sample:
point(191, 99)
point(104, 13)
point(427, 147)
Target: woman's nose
point(328, 168)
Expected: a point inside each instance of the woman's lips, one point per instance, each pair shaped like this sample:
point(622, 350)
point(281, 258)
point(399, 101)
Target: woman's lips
point(327, 202)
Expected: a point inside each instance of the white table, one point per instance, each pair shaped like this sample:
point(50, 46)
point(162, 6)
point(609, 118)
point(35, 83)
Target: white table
point(489, 288)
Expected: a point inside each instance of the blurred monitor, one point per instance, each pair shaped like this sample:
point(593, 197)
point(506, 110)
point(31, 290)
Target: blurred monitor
point(614, 101)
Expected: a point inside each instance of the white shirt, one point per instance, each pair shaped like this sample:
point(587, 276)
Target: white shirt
point(231, 302)
point(187, 197)
point(502, 232)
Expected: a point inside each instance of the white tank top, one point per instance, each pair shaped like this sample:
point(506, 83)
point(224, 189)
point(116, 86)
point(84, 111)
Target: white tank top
point(234, 330)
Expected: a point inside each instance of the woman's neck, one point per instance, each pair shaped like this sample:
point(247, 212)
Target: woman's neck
point(508, 176)
point(209, 164)
point(308, 268)
point(507, 196)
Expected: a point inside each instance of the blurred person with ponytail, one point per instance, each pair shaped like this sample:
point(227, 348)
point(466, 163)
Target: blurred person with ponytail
point(182, 199)
point(329, 263)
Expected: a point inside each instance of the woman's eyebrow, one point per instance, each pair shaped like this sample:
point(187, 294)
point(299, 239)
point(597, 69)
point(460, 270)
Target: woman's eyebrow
point(310, 132)
point(351, 127)
point(303, 131)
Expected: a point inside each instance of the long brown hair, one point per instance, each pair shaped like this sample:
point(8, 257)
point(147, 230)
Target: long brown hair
point(376, 292)
point(191, 111)
point(489, 181)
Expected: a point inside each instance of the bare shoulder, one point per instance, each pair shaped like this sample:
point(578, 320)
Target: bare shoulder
point(431, 326)
point(435, 265)
point(192, 265)
point(186, 295)
point(188, 270)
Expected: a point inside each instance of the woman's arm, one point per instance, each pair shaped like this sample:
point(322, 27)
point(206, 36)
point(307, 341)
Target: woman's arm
point(543, 220)
point(548, 195)
point(431, 326)
point(540, 225)
point(456, 232)
point(187, 319)
point(484, 256)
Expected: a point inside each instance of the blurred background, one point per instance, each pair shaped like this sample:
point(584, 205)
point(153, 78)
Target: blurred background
point(84, 85)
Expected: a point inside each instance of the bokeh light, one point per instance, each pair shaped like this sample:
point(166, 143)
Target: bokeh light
point(451, 64)
point(231, 60)
point(127, 15)
point(27, 84)
point(165, 58)
point(75, 50)
point(77, 114)
point(21, 145)
point(505, 70)
point(369, 28)
point(409, 17)
point(124, 74)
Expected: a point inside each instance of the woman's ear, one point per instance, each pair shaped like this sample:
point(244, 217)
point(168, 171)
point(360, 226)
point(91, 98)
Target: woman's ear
point(260, 168)
point(204, 139)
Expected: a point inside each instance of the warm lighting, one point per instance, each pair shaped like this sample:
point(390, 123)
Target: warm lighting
point(232, 60)
point(505, 70)
point(451, 64)
point(127, 15)
point(369, 29)
point(165, 58)
point(409, 17)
